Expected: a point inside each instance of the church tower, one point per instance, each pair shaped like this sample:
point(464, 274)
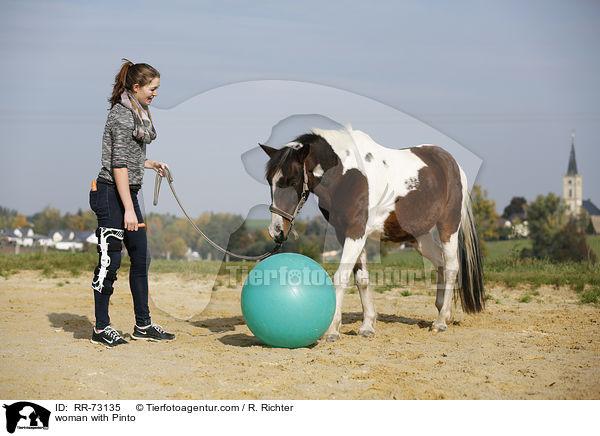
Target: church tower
point(572, 183)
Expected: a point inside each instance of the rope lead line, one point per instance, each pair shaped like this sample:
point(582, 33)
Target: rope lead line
point(169, 178)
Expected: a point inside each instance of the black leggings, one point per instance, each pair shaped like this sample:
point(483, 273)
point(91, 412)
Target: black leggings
point(109, 209)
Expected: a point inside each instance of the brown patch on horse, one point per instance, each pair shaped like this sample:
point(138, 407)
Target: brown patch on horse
point(347, 206)
point(392, 232)
point(343, 198)
point(437, 199)
point(286, 228)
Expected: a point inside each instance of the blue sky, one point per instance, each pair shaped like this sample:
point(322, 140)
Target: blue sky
point(506, 80)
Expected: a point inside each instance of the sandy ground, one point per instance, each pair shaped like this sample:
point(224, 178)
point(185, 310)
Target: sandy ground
point(548, 348)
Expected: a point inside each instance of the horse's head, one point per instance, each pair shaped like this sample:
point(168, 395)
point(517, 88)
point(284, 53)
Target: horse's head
point(286, 174)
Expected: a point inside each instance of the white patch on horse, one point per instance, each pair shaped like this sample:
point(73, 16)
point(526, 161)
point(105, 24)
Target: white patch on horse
point(343, 146)
point(276, 225)
point(341, 280)
point(318, 171)
point(295, 145)
point(386, 182)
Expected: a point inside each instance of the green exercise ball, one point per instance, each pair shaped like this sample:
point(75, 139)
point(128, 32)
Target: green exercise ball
point(288, 300)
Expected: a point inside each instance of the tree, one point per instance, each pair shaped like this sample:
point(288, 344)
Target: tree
point(584, 222)
point(177, 248)
point(517, 207)
point(590, 230)
point(484, 213)
point(570, 245)
point(554, 236)
point(7, 217)
point(485, 216)
point(19, 221)
point(46, 220)
point(546, 217)
point(80, 221)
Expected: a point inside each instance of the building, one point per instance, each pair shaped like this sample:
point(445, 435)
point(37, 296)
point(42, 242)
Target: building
point(573, 191)
point(573, 184)
point(71, 240)
point(594, 213)
point(23, 236)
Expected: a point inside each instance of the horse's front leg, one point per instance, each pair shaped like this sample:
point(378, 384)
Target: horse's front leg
point(361, 277)
point(341, 280)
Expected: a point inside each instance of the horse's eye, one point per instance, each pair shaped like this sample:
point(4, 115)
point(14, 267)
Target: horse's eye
point(294, 183)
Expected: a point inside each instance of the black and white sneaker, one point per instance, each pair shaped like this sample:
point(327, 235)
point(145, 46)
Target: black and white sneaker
point(152, 332)
point(108, 337)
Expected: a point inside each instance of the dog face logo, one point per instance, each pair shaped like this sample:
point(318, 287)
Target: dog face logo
point(26, 415)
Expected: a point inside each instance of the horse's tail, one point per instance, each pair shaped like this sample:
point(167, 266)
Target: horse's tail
point(470, 282)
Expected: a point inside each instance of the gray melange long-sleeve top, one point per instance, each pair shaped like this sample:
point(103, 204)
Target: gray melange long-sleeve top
point(120, 149)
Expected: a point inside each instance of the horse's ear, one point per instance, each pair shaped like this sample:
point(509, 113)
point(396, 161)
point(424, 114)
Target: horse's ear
point(269, 150)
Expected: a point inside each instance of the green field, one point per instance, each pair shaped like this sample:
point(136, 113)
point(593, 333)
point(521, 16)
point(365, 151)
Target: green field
point(594, 243)
point(502, 264)
point(256, 224)
point(502, 249)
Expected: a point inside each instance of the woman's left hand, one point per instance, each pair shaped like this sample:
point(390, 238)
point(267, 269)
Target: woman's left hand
point(159, 167)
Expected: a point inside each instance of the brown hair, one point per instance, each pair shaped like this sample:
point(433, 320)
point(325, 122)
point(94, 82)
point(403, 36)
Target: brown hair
point(129, 75)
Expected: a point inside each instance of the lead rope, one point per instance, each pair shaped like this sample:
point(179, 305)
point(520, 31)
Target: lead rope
point(169, 178)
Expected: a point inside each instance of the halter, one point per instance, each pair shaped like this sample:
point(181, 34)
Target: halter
point(303, 197)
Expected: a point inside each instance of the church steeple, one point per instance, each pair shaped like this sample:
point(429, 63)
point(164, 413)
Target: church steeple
point(572, 170)
point(572, 183)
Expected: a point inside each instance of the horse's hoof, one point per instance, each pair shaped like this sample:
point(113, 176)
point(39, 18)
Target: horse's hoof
point(366, 333)
point(438, 328)
point(333, 337)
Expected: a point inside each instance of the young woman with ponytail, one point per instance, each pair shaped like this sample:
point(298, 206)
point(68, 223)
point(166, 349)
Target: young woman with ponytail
point(128, 130)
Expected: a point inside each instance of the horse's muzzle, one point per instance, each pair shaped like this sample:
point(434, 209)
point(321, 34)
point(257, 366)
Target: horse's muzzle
point(280, 238)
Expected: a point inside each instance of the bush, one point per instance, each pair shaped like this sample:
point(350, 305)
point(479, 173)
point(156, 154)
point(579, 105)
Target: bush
point(554, 238)
point(570, 245)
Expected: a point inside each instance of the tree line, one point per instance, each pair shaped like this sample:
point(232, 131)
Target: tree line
point(554, 233)
point(48, 219)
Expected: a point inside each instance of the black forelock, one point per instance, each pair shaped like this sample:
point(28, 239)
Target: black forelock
point(283, 160)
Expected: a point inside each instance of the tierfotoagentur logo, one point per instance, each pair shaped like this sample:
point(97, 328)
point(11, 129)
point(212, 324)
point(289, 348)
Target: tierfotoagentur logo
point(26, 415)
point(284, 276)
point(389, 276)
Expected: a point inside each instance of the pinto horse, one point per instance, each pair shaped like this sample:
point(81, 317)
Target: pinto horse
point(416, 195)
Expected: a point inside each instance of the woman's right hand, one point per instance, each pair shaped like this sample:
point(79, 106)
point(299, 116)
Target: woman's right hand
point(131, 221)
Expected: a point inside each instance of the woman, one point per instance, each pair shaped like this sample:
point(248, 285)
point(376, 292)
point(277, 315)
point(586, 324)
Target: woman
point(129, 129)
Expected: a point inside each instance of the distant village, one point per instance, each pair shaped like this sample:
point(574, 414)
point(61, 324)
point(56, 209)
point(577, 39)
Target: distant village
point(68, 240)
point(516, 224)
